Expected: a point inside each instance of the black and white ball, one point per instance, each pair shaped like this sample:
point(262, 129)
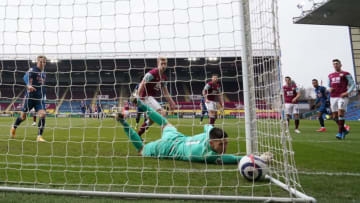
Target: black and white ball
point(253, 168)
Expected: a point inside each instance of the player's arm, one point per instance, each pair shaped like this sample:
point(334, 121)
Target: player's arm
point(351, 84)
point(221, 98)
point(205, 91)
point(227, 159)
point(147, 78)
point(298, 94)
point(329, 85)
point(28, 81)
point(168, 97)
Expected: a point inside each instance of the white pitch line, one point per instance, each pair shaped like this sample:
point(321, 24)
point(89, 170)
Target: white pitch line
point(329, 173)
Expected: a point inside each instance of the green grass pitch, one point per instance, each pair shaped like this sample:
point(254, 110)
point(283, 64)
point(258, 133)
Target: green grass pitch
point(329, 169)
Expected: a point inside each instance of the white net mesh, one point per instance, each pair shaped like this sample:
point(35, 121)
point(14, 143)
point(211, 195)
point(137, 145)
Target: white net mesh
point(98, 52)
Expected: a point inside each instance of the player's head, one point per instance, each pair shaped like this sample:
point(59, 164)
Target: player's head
point(315, 83)
point(218, 140)
point(41, 62)
point(214, 78)
point(337, 64)
point(162, 63)
point(288, 80)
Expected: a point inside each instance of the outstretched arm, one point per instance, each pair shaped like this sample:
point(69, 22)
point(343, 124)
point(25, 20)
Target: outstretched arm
point(224, 159)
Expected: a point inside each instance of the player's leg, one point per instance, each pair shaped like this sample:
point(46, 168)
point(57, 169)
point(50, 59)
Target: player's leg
point(34, 119)
point(131, 133)
point(321, 112)
point(297, 122)
point(321, 121)
point(154, 105)
point(203, 112)
point(152, 114)
point(41, 110)
point(212, 110)
point(28, 105)
point(288, 112)
point(342, 105)
point(137, 119)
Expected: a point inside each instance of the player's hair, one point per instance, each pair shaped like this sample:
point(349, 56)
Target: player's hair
point(217, 133)
point(40, 57)
point(288, 77)
point(315, 80)
point(336, 60)
point(214, 74)
point(161, 59)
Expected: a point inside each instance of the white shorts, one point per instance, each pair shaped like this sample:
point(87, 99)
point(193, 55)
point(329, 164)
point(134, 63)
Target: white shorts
point(337, 103)
point(151, 102)
point(291, 109)
point(211, 106)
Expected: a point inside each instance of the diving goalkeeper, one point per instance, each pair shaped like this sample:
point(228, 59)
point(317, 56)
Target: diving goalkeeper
point(209, 146)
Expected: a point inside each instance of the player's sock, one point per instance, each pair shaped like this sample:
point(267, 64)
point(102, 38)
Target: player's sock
point(341, 123)
point(297, 122)
point(321, 121)
point(133, 136)
point(288, 121)
point(153, 115)
point(212, 120)
point(41, 126)
point(34, 118)
point(137, 118)
point(202, 117)
point(142, 128)
point(17, 122)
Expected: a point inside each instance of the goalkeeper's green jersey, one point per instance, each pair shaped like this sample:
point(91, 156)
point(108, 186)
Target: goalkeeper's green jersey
point(175, 145)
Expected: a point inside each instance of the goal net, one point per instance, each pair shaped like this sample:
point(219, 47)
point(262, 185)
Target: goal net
point(98, 51)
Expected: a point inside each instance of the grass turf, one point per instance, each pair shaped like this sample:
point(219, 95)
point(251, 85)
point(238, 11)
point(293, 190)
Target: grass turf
point(85, 151)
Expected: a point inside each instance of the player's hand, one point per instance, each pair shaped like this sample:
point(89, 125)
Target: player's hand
point(294, 100)
point(345, 94)
point(172, 106)
point(31, 88)
point(331, 89)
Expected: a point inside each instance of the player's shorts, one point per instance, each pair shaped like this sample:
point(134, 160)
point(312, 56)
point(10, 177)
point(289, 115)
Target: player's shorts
point(38, 104)
point(211, 106)
point(164, 147)
point(151, 102)
point(291, 108)
point(83, 111)
point(324, 107)
point(337, 103)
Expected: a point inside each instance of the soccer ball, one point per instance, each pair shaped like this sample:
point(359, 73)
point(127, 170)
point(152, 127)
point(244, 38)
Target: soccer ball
point(253, 168)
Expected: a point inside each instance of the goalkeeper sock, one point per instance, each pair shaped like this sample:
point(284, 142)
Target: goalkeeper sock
point(153, 115)
point(41, 126)
point(17, 122)
point(321, 121)
point(133, 136)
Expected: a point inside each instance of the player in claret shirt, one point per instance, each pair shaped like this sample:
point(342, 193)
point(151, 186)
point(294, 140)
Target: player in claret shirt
point(291, 95)
point(211, 91)
point(153, 84)
point(339, 81)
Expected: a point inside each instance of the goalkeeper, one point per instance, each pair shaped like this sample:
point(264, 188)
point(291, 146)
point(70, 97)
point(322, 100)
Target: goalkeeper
point(209, 146)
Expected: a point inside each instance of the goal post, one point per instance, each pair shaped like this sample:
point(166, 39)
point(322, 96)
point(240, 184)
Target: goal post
point(98, 52)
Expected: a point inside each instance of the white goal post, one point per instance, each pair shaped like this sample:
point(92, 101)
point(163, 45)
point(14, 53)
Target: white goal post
point(98, 51)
